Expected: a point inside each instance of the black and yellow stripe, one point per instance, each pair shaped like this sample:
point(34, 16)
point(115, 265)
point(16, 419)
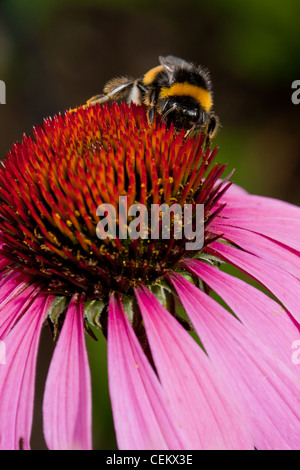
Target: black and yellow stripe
point(202, 96)
point(151, 75)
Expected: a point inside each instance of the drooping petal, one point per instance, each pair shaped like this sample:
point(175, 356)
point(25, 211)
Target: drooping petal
point(260, 246)
point(267, 389)
point(206, 410)
point(282, 284)
point(261, 206)
point(141, 415)
point(270, 217)
point(17, 377)
point(270, 323)
point(67, 398)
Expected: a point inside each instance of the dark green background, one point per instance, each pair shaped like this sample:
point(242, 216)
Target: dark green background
point(56, 54)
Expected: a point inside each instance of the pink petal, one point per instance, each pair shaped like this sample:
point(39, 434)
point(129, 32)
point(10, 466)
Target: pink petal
point(265, 317)
point(234, 192)
point(260, 246)
point(14, 308)
point(141, 415)
point(283, 285)
point(12, 285)
point(274, 219)
point(205, 409)
point(262, 206)
point(67, 398)
point(4, 263)
point(268, 391)
point(17, 377)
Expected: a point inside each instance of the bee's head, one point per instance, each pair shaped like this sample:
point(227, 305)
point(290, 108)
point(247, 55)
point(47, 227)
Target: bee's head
point(183, 111)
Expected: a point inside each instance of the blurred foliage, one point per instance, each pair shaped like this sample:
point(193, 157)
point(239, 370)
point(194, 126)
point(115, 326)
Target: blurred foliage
point(54, 54)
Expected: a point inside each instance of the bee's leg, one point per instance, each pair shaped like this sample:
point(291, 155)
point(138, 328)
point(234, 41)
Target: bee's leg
point(189, 131)
point(92, 101)
point(150, 100)
point(213, 126)
point(97, 99)
point(197, 125)
point(117, 89)
point(211, 130)
point(206, 143)
point(78, 107)
point(142, 87)
point(151, 114)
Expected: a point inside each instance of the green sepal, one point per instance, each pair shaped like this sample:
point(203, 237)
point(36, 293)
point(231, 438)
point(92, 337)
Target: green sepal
point(189, 277)
point(210, 258)
point(58, 307)
point(165, 295)
point(129, 307)
point(93, 310)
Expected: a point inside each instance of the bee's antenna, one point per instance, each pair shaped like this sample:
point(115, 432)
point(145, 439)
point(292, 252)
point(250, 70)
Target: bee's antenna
point(169, 111)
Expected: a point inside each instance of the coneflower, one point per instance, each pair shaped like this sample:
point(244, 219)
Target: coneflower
point(232, 384)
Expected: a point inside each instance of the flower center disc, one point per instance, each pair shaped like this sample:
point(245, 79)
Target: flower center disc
point(51, 187)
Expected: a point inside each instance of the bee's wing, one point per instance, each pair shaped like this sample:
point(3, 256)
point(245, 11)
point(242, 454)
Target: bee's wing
point(170, 62)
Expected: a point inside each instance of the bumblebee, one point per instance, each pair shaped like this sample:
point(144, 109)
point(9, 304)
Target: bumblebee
point(177, 91)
